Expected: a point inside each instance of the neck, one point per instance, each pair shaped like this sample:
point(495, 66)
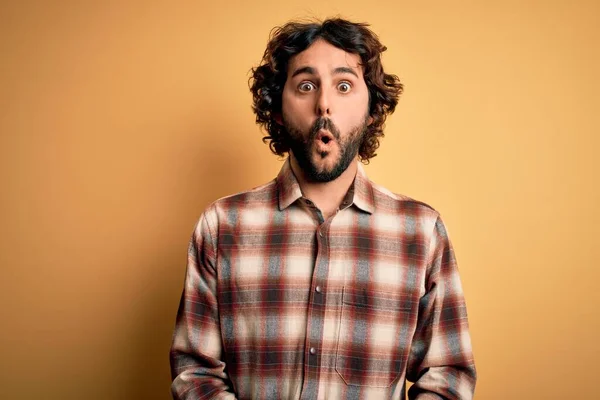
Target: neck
point(327, 196)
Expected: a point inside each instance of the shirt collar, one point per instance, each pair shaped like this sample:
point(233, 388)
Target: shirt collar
point(360, 193)
point(363, 191)
point(288, 188)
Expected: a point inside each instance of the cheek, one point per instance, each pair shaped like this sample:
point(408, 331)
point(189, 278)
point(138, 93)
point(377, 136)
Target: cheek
point(296, 110)
point(361, 110)
point(352, 116)
point(285, 100)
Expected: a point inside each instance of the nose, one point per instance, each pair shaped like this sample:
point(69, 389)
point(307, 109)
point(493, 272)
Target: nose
point(323, 103)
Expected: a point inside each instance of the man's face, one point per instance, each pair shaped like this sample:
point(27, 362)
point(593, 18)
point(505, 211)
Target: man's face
point(325, 106)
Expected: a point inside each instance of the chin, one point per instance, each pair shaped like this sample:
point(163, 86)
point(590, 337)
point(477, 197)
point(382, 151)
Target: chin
point(325, 164)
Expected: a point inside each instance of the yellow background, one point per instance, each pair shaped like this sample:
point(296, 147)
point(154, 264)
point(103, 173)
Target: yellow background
point(121, 121)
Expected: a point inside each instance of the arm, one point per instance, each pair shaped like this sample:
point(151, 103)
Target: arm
point(441, 360)
point(197, 368)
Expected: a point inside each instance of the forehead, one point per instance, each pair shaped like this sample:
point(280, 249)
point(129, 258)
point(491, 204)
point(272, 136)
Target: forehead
point(324, 58)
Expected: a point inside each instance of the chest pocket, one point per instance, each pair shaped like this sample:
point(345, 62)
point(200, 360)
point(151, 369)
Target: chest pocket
point(374, 337)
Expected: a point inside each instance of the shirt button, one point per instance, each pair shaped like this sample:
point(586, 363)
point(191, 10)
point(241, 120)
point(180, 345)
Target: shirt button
point(318, 289)
point(313, 351)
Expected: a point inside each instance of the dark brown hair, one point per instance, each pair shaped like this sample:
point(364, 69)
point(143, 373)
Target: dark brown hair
point(268, 79)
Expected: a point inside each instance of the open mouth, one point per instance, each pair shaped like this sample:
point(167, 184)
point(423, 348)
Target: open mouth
point(325, 136)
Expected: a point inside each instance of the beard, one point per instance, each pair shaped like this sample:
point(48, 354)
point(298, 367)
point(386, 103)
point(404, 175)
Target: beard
point(301, 144)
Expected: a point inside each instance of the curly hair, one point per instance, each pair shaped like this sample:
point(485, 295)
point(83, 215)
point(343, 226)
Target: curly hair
point(268, 79)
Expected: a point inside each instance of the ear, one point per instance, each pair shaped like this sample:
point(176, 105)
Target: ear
point(370, 120)
point(277, 118)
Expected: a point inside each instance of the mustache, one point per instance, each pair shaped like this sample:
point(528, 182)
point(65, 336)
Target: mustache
point(323, 123)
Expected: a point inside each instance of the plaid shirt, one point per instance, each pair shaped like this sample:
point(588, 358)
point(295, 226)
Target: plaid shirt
point(280, 303)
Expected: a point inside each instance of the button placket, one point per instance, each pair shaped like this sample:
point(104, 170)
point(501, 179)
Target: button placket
point(316, 312)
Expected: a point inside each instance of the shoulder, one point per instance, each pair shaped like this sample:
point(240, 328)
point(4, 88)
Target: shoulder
point(229, 207)
point(394, 211)
point(387, 201)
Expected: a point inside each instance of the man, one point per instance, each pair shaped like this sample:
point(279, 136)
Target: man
point(322, 284)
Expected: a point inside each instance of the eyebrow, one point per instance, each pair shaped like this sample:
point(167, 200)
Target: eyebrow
point(311, 71)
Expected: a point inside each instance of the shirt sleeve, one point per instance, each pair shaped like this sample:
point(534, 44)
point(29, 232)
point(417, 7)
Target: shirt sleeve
point(441, 363)
point(196, 356)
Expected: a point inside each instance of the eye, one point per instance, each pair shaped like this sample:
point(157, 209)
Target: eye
point(344, 87)
point(306, 87)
